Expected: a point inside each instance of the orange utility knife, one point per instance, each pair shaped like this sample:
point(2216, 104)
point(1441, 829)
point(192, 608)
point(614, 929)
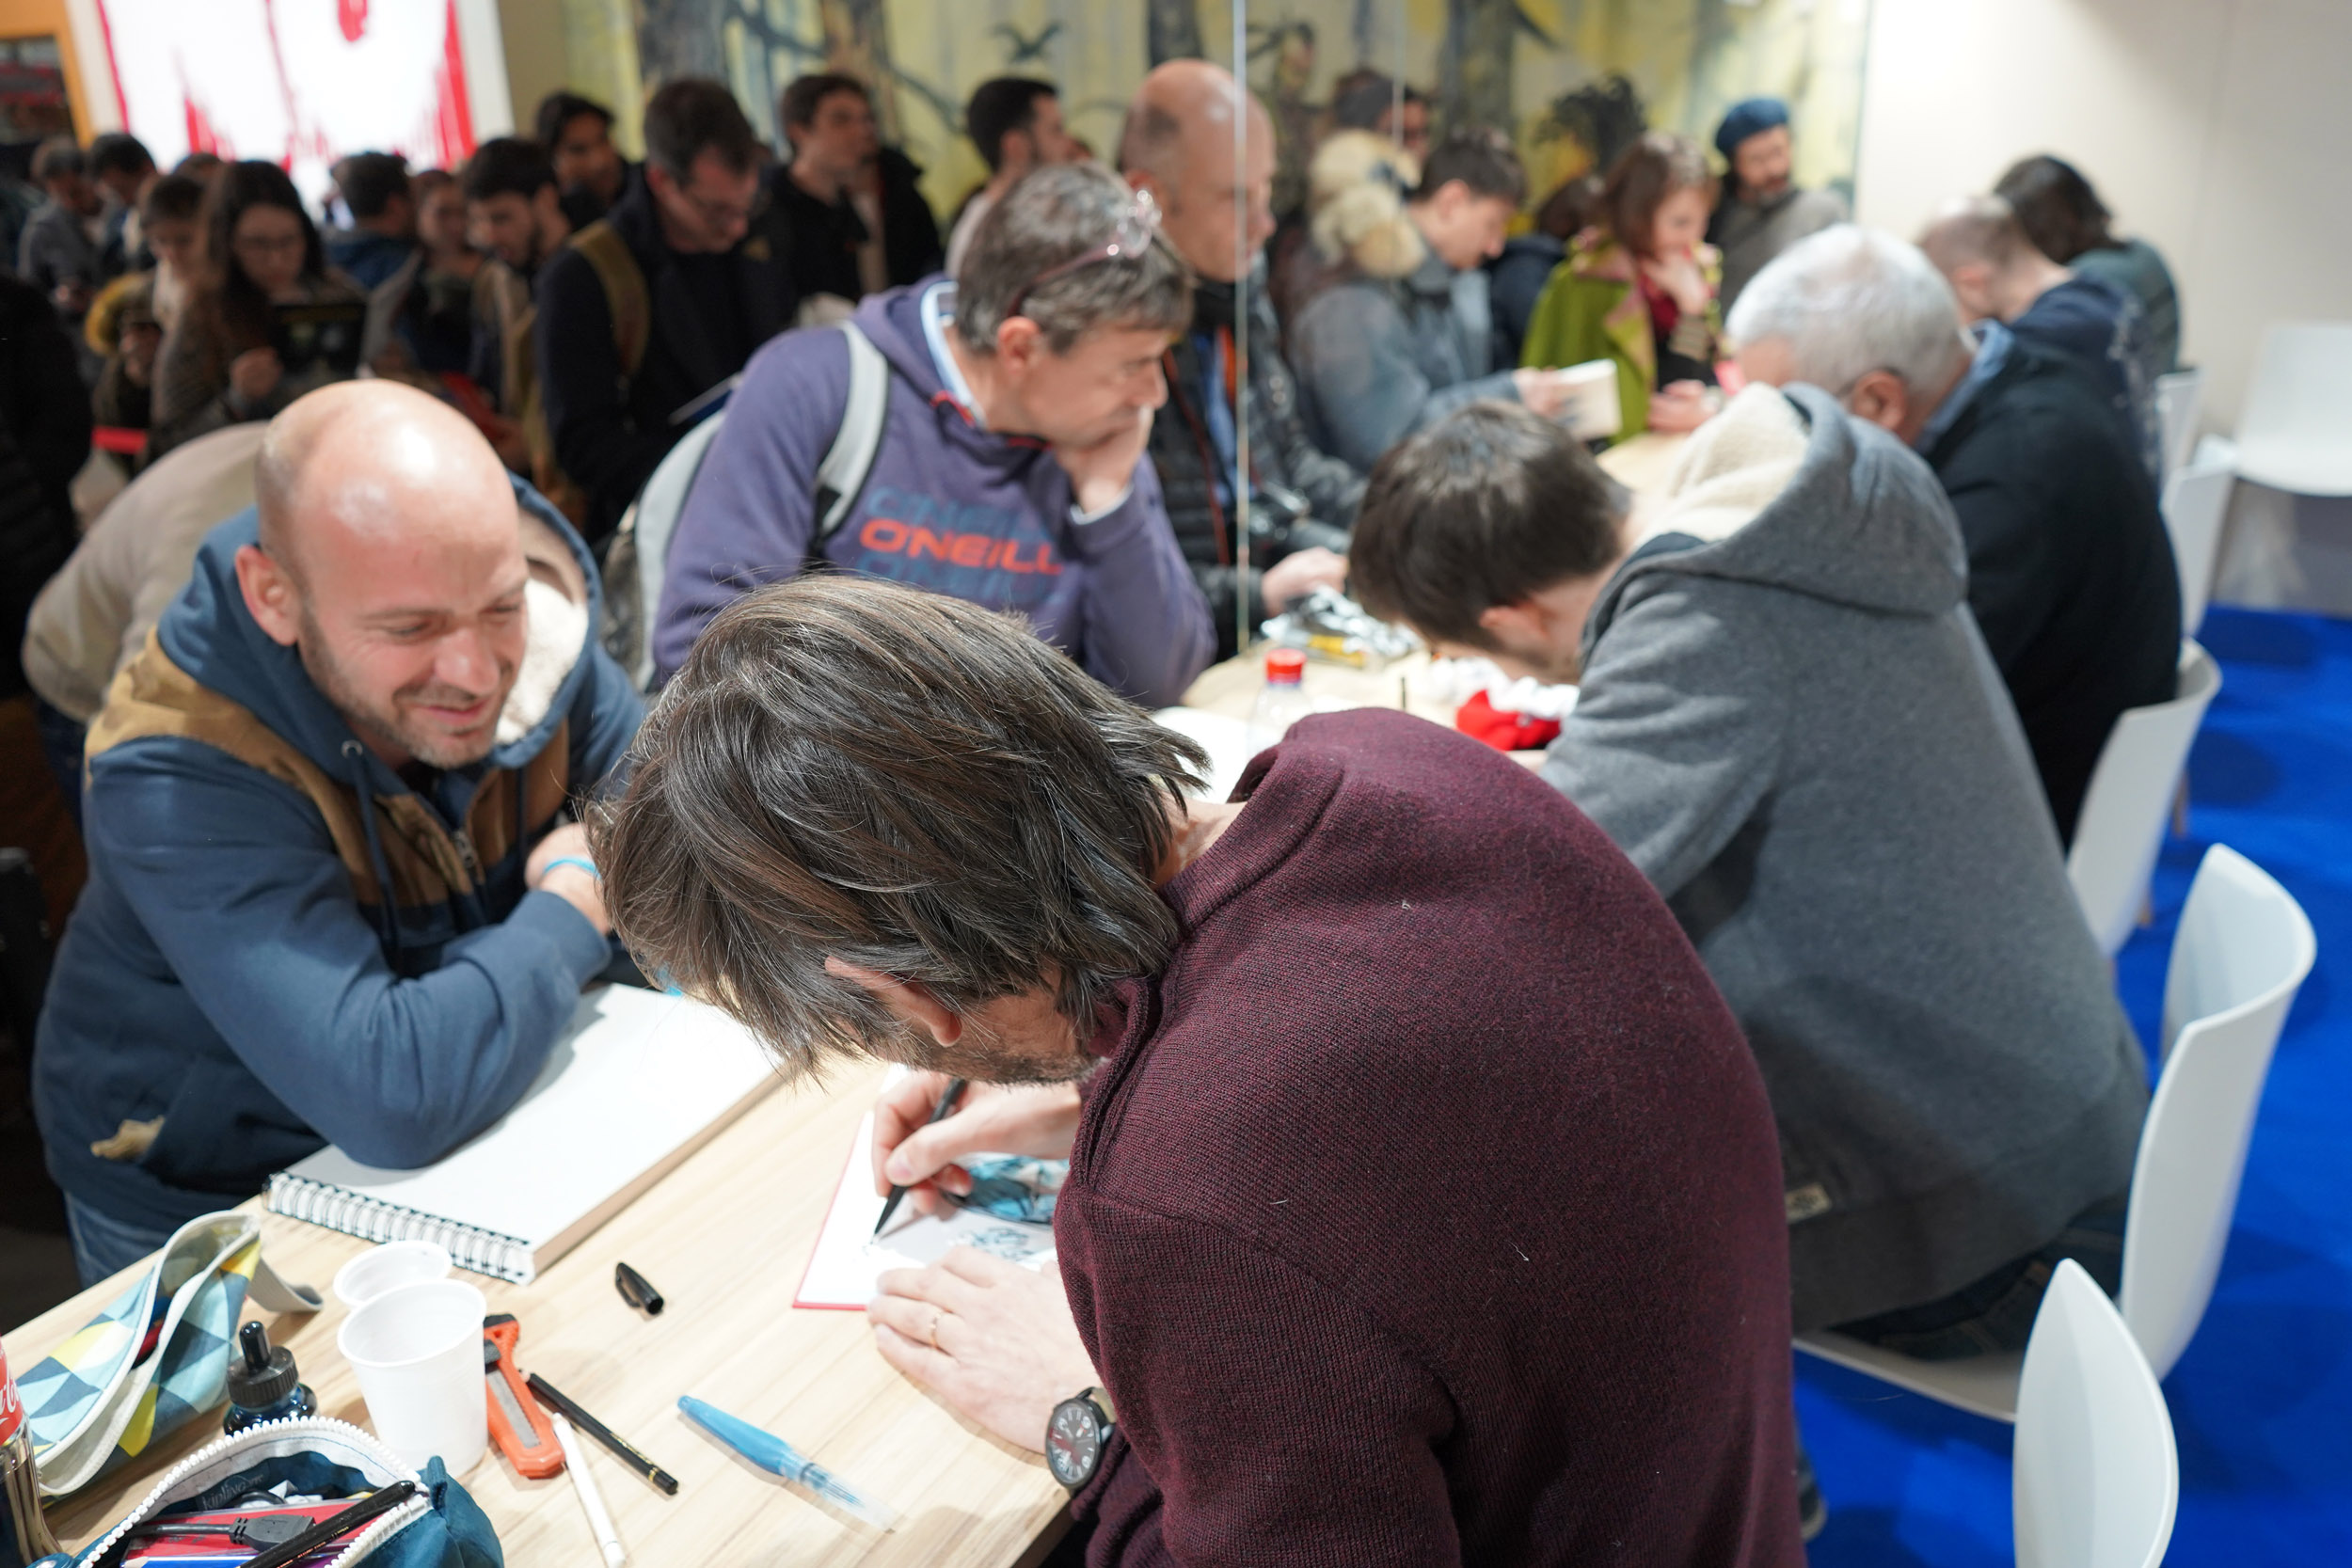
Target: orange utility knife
point(517, 1425)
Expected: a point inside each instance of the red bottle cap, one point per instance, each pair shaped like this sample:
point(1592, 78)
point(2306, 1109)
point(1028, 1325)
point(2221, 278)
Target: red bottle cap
point(12, 1407)
point(1285, 666)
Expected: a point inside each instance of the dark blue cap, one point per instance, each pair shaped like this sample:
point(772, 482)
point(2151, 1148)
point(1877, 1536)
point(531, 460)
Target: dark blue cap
point(1746, 119)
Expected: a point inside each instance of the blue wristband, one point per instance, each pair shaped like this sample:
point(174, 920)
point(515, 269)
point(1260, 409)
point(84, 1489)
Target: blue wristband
point(585, 864)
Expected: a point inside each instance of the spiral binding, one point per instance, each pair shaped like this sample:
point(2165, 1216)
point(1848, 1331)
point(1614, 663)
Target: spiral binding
point(372, 1219)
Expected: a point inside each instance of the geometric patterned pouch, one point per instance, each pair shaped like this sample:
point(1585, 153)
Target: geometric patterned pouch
point(156, 1358)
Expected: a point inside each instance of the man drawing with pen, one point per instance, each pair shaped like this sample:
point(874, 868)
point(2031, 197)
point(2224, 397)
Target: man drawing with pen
point(1424, 1203)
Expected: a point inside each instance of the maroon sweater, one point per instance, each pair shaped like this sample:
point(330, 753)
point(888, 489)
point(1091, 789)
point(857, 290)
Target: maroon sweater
point(1428, 1208)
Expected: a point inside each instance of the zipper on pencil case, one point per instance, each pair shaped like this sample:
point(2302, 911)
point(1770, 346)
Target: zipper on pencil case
point(355, 1439)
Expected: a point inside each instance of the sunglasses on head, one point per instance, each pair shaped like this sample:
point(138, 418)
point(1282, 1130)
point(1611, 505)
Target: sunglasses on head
point(1137, 224)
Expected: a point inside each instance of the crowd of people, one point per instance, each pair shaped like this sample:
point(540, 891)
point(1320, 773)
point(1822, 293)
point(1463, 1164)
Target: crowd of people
point(1456, 1144)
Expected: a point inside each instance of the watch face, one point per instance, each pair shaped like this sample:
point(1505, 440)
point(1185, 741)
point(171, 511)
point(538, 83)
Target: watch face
point(1074, 1442)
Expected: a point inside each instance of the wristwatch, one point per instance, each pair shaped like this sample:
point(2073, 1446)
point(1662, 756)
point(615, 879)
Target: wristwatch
point(1076, 1436)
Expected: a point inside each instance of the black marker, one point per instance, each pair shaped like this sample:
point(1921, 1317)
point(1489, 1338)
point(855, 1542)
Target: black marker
point(335, 1527)
point(945, 1108)
point(546, 1394)
point(637, 1289)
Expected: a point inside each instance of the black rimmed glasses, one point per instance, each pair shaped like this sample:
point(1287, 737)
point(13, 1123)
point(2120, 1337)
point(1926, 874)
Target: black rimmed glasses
point(1137, 225)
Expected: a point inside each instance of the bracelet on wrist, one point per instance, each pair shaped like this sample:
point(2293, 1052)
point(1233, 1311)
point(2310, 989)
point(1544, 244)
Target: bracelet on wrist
point(581, 860)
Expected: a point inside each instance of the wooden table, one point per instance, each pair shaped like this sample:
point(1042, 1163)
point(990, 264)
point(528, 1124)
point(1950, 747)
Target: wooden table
point(725, 1237)
point(1640, 464)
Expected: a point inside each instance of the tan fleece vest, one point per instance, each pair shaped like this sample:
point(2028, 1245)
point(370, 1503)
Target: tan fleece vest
point(429, 864)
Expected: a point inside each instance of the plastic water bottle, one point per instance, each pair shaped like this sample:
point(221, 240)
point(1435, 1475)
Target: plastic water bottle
point(23, 1533)
point(1282, 700)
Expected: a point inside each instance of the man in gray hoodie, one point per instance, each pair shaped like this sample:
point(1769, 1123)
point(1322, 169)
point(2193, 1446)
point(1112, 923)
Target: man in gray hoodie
point(1791, 724)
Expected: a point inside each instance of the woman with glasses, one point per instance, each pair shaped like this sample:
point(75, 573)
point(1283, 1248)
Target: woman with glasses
point(221, 362)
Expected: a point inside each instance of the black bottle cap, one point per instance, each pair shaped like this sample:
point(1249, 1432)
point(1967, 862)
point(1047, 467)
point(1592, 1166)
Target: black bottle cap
point(263, 1374)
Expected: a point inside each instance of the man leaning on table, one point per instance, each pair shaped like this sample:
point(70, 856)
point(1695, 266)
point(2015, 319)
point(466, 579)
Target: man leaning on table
point(1789, 722)
point(1424, 1204)
point(333, 896)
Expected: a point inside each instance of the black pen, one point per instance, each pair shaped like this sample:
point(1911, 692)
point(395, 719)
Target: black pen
point(948, 1098)
point(628, 1455)
point(335, 1527)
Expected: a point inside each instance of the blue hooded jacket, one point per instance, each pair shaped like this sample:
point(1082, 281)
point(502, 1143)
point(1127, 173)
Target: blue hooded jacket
point(234, 992)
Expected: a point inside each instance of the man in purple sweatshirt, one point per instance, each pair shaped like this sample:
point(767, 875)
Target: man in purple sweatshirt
point(1011, 470)
point(1424, 1204)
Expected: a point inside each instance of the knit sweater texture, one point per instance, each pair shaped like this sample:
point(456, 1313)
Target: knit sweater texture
point(1426, 1207)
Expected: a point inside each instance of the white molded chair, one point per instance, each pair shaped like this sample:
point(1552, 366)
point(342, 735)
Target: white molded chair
point(2131, 795)
point(2296, 432)
point(2242, 951)
point(2094, 1478)
point(2179, 397)
point(2196, 502)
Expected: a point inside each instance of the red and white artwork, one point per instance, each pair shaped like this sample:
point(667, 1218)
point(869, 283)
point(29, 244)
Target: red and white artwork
point(297, 82)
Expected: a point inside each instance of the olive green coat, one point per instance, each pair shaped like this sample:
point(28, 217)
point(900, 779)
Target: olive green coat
point(1591, 309)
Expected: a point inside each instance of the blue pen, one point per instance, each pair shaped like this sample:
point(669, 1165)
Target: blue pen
point(777, 1457)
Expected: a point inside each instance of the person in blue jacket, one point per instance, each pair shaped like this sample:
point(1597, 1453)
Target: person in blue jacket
point(335, 891)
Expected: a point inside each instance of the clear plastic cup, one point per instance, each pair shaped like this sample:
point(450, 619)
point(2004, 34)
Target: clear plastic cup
point(417, 1353)
point(387, 1268)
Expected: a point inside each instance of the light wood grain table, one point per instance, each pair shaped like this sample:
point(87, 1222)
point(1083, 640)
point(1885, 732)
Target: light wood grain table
point(1642, 465)
point(725, 1237)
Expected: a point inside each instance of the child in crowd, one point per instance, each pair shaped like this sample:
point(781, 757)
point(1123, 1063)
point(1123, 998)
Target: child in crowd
point(1639, 288)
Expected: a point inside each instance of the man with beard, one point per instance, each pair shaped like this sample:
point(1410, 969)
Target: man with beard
point(1763, 211)
point(335, 895)
point(1424, 1205)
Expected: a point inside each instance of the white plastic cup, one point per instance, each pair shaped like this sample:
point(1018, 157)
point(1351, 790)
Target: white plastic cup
point(387, 1268)
point(417, 1353)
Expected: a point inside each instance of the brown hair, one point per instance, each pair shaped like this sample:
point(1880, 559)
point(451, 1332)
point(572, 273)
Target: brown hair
point(243, 310)
point(1488, 505)
point(692, 115)
point(917, 785)
point(1643, 176)
point(2057, 208)
point(805, 95)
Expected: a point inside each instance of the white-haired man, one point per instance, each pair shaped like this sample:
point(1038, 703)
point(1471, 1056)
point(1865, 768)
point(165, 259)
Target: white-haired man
point(2070, 573)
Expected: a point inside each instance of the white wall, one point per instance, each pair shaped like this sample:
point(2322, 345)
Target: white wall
point(2216, 129)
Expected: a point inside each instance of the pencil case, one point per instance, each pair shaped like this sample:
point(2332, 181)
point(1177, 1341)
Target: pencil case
point(275, 1464)
point(156, 1358)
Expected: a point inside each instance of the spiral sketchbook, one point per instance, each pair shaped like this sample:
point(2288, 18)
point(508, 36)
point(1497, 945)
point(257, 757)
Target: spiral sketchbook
point(638, 1081)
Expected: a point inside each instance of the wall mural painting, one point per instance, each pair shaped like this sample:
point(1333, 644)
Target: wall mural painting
point(1573, 80)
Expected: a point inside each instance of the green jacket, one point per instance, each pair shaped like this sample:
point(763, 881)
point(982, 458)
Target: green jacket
point(1590, 309)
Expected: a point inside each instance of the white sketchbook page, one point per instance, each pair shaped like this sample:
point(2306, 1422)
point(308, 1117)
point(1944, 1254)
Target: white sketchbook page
point(638, 1077)
point(850, 1258)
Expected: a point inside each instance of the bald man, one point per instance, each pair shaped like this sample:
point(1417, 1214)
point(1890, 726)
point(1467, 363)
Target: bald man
point(1997, 274)
point(335, 893)
point(1178, 144)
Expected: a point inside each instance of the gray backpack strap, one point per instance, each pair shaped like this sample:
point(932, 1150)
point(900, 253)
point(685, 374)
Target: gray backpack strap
point(841, 477)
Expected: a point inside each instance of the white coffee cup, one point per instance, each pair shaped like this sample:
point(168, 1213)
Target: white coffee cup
point(387, 1268)
point(417, 1349)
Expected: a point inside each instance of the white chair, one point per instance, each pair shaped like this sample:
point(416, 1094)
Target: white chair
point(2296, 432)
point(2095, 1477)
point(2240, 956)
point(2179, 397)
point(2122, 824)
point(2196, 502)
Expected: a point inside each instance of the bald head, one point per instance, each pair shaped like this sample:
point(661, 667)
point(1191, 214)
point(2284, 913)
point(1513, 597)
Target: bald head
point(1183, 106)
point(391, 559)
point(1981, 249)
point(1979, 228)
point(355, 461)
point(1178, 143)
